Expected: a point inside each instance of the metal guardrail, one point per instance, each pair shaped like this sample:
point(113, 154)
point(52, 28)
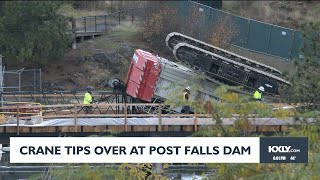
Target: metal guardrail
point(101, 23)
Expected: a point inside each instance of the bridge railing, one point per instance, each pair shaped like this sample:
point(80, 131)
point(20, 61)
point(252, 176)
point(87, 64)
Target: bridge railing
point(126, 113)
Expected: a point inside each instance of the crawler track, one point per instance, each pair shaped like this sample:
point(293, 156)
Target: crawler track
point(174, 38)
point(227, 71)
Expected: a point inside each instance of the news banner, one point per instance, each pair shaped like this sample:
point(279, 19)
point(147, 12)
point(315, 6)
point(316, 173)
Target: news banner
point(158, 150)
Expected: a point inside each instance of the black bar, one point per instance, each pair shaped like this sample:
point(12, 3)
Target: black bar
point(74, 25)
point(95, 23)
point(131, 15)
point(119, 17)
point(85, 24)
point(105, 22)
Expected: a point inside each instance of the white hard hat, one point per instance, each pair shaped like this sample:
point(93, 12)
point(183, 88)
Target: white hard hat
point(261, 88)
point(188, 88)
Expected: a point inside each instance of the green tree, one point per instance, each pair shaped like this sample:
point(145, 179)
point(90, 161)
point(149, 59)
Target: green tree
point(32, 30)
point(305, 80)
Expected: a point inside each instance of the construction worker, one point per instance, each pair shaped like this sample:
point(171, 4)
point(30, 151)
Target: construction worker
point(186, 97)
point(87, 100)
point(258, 93)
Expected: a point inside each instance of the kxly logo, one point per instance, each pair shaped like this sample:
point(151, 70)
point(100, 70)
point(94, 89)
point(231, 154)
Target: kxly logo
point(281, 149)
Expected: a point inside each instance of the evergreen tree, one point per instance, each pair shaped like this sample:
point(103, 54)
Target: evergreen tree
point(305, 81)
point(32, 30)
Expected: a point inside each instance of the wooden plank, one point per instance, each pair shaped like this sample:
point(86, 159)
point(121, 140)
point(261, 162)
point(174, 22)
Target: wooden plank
point(18, 120)
point(71, 129)
point(11, 129)
point(37, 129)
point(64, 129)
point(152, 128)
point(195, 121)
point(50, 129)
point(88, 128)
point(268, 128)
point(159, 118)
point(165, 128)
point(2, 129)
point(24, 129)
point(116, 128)
point(175, 128)
point(125, 118)
point(188, 128)
point(129, 129)
point(100, 129)
point(137, 128)
point(146, 128)
point(75, 119)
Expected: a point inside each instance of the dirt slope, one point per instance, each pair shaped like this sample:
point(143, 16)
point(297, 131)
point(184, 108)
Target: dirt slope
point(94, 61)
point(291, 14)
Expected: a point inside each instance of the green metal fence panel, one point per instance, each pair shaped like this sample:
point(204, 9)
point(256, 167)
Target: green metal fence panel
point(242, 26)
point(202, 13)
point(252, 35)
point(172, 4)
point(183, 9)
point(214, 15)
point(259, 34)
point(297, 42)
point(212, 19)
point(280, 42)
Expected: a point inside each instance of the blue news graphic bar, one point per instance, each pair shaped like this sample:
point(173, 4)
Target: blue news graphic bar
point(283, 150)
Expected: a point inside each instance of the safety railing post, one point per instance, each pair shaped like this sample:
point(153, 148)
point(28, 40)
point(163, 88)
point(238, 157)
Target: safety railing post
point(75, 118)
point(291, 46)
point(195, 121)
point(246, 45)
point(119, 16)
point(125, 117)
point(18, 118)
point(74, 25)
point(95, 23)
point(131, 15)
point(105, 22)
point(159, 117)
point(85, 24)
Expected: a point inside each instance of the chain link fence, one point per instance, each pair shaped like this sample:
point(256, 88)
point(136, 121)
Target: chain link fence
point(22, 80)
